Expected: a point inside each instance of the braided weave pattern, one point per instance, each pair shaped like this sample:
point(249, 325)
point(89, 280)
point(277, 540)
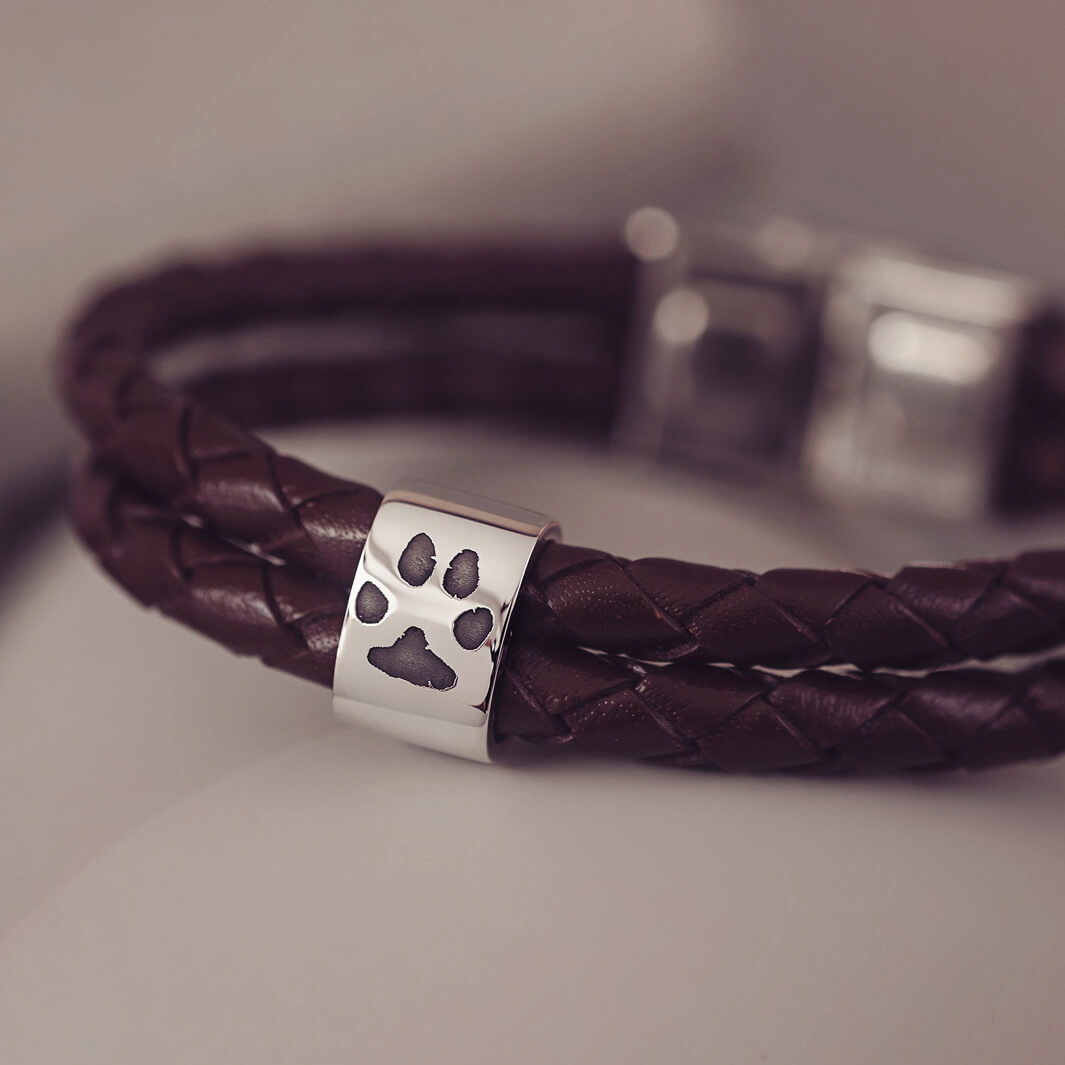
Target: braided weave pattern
point(550, 694)
point(753, 721)
point(197, 516)
point(285, 616)
point(202, 463)
point(654, 609)
point(922, 617)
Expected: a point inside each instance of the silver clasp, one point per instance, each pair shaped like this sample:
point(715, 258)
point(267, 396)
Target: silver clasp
point(870, 373)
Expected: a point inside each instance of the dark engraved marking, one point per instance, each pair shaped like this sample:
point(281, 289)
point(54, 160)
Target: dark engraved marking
point(418, 560)
point(370, 604)
point(410, 659)
point(472, 627)
point(462, 575)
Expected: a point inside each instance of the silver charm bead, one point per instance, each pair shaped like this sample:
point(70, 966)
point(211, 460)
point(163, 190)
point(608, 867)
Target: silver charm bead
point(426, 624)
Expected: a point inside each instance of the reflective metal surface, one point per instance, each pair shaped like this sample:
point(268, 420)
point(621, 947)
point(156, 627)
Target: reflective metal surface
point(426, 624)
point(916, 378)
point(864, 372)
point(722, 351)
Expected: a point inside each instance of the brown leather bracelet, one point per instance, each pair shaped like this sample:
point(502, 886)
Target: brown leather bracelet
point(198, 516)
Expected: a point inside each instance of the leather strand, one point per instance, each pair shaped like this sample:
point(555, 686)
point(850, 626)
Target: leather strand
point(203, 463)
point(198, 516)
point(922, 617)
point(688, 715)
point(200, 461)
point(285, 616)
point(753, 721)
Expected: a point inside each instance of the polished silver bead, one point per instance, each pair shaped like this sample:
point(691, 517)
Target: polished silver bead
point(426, 624)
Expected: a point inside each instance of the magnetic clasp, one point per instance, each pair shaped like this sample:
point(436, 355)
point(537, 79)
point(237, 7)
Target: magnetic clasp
point(425, 629)
point(918, 365)
point(870, 373)
point(722, 348)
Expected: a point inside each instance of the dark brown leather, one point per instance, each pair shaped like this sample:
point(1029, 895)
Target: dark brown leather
point(282, 614)
point(815, 721)
point(203, 463)
point(924, 616)
point(163, 455)
point(559, 695)
point(1032, 465)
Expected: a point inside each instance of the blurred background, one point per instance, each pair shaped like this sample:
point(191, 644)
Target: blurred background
point(129, 129)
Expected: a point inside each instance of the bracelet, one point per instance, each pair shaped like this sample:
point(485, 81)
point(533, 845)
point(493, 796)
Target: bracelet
point(195, 515)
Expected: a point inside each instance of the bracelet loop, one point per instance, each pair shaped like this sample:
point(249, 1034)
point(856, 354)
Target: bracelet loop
point(195, 514)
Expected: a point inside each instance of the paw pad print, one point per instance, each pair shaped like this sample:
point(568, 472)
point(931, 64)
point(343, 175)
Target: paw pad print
point(410, 658)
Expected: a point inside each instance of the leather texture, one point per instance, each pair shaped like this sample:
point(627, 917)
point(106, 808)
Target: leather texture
point(195, 514)
point(559, 695)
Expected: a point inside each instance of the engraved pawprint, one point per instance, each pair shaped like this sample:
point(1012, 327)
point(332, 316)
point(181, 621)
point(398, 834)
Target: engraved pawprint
point(409, 657)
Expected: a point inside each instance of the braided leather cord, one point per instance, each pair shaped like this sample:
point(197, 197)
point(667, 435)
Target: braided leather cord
point(685, 715)
point(205, 464)
point(163, 457)
point(922, 617)
point(201, 462)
